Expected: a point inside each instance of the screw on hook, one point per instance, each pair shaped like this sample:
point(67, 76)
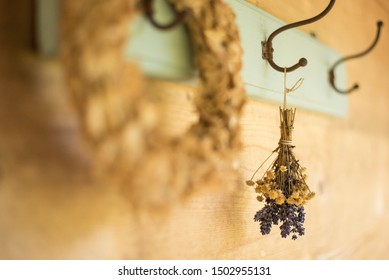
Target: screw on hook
point(267, 46)
point(149, 12)
point(365, 52)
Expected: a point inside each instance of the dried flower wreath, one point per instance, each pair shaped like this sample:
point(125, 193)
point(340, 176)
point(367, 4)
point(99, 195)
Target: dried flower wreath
point(283, 186)
point(119, 117)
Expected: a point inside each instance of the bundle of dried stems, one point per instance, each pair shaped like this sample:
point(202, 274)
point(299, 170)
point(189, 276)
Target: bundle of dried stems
point(283, 186)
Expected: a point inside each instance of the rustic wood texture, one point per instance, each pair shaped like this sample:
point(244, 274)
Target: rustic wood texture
point(53, 206)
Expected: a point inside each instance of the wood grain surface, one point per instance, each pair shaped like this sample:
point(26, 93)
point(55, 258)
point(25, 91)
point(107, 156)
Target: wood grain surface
point(53, 206)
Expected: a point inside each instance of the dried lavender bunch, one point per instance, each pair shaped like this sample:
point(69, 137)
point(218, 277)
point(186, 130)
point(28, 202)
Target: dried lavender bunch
point(290, 216)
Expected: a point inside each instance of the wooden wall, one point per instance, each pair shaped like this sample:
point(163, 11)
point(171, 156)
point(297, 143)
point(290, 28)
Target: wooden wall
point(51, 207)
point(347, 158)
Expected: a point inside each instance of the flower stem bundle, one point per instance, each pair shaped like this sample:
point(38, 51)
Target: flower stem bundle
point(283, 186)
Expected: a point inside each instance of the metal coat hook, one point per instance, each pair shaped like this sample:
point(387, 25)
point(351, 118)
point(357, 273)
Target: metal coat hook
point(149, 12)
point(332, 70)
point(267, 46)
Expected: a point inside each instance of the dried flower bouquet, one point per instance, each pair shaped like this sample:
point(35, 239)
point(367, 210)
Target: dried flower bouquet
point(283, 187)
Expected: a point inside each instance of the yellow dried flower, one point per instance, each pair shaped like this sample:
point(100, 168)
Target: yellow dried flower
point(258, 190)
point(266, 188)
point(311, 195)
point(295, 195)
point(273, 194)
point(260, 198)
point(291, 200)
point(305, 193)
point(283, 168)
point(270, 174)
point(280, 200)
point(250, 183)
point(299, 201)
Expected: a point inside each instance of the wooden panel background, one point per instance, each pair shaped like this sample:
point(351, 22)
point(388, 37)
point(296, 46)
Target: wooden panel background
point(51, 207)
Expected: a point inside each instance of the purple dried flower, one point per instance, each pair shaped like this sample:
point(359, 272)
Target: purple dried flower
point(290, 216)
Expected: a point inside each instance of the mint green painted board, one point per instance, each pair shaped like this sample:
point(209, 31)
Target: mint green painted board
point(164, 54)
point(47, 26)
point(167, 55)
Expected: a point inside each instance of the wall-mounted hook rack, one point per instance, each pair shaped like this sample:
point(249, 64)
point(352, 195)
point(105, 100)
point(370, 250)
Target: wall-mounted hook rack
point(149, 12)
point(170, 57)
point(267, 46)
point(365, 52)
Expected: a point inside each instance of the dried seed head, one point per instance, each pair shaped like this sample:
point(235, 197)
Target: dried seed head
point(311, 195)
point(250, 183)
point(270, 174)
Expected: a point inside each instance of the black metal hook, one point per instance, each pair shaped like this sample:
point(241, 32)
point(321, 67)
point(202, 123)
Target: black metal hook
point(149, 12)
point(332, 70)
point(267, 46)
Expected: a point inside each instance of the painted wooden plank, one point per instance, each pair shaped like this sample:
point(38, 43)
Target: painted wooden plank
point(47, 24)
